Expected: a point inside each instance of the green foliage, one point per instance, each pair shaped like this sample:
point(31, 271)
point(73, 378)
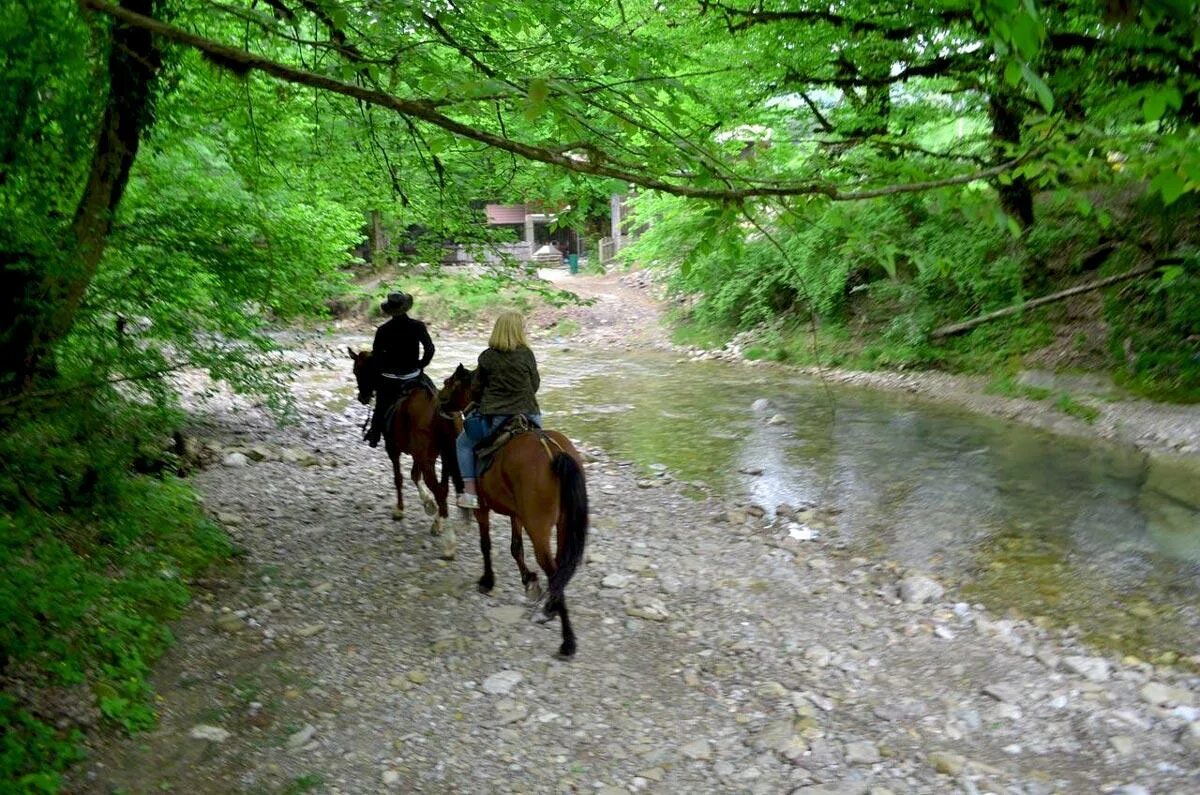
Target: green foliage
point(454, 300)
point(1070, 405)
point(94, 560)
point(1155, 334)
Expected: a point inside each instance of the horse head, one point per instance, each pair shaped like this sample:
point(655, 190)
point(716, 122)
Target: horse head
point(455, 393)
point(364, 374)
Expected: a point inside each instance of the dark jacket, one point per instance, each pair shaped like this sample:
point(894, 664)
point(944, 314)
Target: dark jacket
point(506, 382)
point(399, 344)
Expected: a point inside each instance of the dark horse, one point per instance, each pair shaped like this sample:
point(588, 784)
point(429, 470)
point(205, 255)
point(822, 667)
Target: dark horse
point(537, 481)
point(419, 429)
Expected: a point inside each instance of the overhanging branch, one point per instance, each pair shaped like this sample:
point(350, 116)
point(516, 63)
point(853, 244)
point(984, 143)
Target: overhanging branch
point(243, 61)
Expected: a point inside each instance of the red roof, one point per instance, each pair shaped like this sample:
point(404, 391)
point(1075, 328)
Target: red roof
point(498, 214)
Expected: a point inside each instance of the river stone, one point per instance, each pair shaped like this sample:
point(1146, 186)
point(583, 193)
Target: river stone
point(1157, 693)
point(391, 778)
point(300, 738)
point(649, 609)
point(235, 460)
point(213, 734)
point(308, 630)
point(616, 580)
point(771, 690)
point(862, 753)
point(501, 683)
point(228, 622)
point(1003, 692)
point(1122, 744)
point(947, 763)
point(1094, 669)
point(918, 589)
point(509, 711)
point(762, 404)
point(818, 655)
point(778, 419)
point(697, 749)
point(507, 614)
point(1189, 737)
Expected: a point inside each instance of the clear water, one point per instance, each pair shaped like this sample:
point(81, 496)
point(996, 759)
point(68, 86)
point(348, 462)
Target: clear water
point(1075, 531)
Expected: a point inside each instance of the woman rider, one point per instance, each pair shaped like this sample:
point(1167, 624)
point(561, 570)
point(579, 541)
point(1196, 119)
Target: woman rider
point(505, 385)
point(401, 351)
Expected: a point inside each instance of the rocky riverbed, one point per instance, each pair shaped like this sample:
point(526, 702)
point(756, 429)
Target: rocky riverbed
point(723, 648)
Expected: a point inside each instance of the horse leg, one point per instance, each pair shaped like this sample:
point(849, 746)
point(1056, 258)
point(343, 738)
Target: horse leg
point(540, 536)
point(488, 580)
point(438, 511)
point(423, 475)
point(398, 479)
point(529, 579)
point(556, 603)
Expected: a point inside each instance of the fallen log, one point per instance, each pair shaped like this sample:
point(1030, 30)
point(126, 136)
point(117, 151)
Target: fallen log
point(951, 329)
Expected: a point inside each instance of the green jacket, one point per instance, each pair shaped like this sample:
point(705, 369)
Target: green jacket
point(506, 382)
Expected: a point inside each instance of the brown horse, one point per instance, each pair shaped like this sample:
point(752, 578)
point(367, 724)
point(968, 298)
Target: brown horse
point(419, 429)
point(537, 481)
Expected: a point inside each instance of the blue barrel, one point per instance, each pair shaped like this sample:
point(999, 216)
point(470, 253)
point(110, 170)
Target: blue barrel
point(573, 263)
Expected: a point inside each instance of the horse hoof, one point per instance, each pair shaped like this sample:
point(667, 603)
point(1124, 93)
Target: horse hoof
point(485, 585)
point(533, 591)
point(540, 616)
point(397, 514)
point(566, 654)
point(436, 527)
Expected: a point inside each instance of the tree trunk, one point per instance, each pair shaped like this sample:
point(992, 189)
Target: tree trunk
point(39, 297)
point(1015, 196)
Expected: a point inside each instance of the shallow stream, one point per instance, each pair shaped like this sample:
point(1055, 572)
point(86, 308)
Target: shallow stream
point(1072, 531)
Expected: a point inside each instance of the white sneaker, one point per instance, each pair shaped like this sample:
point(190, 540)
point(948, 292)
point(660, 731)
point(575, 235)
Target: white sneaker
point(469, 501)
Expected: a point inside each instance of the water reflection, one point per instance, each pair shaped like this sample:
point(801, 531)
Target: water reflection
point(1080, 532)
point(1045, 524)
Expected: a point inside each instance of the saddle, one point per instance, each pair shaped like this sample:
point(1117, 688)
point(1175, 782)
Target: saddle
point(405, 387)
point(487, 448)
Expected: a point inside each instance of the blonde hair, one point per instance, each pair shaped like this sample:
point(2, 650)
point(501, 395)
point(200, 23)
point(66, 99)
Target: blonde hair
point(509, 332)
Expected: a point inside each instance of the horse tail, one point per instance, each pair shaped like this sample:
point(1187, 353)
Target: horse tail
point(573, 507)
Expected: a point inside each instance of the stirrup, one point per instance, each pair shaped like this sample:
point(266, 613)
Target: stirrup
point(469, 501)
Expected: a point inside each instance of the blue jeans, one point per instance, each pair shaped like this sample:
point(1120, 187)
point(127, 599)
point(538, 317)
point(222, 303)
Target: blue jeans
point(465, 445)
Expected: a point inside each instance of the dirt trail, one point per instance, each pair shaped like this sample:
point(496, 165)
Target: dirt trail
point(719, 651)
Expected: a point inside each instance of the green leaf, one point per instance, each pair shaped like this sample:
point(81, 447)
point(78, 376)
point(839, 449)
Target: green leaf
point(1012, 72)
point(1169, 185)
point(1045, 97)
point(1156, 103)
point(539, 90)
point(1171, 273)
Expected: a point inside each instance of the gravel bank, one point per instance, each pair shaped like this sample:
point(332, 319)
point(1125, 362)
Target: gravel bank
point(718, 653)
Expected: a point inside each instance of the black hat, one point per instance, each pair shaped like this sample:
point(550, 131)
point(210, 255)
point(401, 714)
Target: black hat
point(397, 303)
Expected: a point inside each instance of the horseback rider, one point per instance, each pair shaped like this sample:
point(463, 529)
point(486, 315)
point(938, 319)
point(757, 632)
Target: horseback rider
point(505, 384)
point(401, 352)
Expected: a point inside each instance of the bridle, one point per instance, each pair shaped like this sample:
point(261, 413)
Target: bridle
point(450, 414)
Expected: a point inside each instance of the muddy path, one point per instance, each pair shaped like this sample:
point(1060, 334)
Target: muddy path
point(721, 648)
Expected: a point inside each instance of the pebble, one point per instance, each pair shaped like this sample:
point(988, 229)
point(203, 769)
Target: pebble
point(946, 763)
point(213, 734)
point(501, 683)
point(1094, 669)
point(1157, 694)
point(919, 589)
point(300, 738)
point(697, 749)
point(711, 657)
